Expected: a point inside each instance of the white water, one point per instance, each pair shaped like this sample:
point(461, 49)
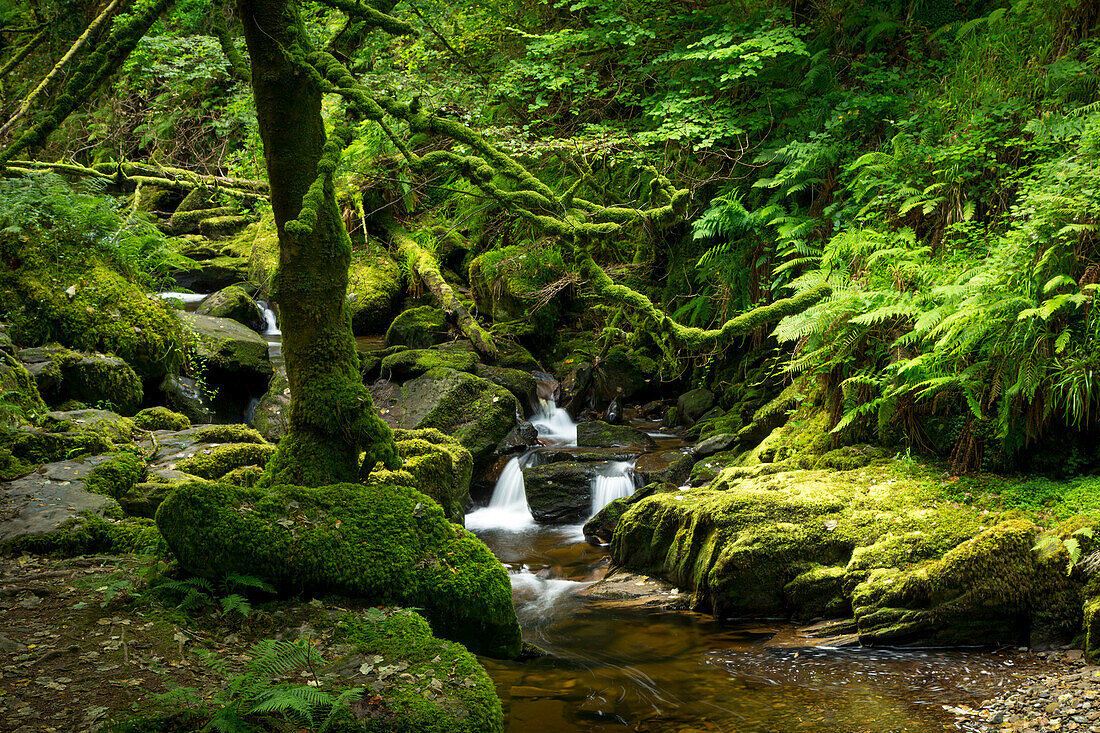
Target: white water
point(508, 510)
point(185, 297)
point(554, 424)
point(508, 507)
point(617, 482)
point(271, 327)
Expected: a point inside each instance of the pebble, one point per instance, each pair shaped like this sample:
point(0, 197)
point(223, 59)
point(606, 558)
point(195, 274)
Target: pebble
point(1062, 697)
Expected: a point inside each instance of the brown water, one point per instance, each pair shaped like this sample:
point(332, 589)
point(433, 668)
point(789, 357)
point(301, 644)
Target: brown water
point(631, 669)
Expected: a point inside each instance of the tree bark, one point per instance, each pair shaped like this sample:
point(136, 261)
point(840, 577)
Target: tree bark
point(332, 418)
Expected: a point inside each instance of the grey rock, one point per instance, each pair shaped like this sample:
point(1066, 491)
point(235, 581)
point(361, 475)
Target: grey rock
point(715, 444)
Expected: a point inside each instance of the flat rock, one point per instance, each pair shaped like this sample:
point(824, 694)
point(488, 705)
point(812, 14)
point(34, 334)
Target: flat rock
point(671, 466)
point(42, 502)
point(599, 434)
point(715, 444)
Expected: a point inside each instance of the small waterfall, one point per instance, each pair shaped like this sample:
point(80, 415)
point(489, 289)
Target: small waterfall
point(616, 482)
point(271, 327)
point(554, 424)
point(250, 410)
point(508, 508)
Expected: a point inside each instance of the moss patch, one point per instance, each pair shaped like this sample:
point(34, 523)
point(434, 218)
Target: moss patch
point(386, 544)
point(215, 462)
point(161, 418)
point(435, 464)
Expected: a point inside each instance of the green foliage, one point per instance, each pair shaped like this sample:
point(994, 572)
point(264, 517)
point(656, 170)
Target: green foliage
point(195, 596)
point(68, 225)
point(265, 688)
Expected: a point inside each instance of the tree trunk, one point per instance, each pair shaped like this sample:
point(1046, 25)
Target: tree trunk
point(332, 418)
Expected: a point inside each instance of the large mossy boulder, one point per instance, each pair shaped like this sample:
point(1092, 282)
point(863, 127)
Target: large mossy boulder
point(228, 346)
point(561, 492)
point(92, 309)
point(92, 379)
point(693, 405)
point(381, 543)
point(410, 363)
point(235, 303)
point(477, 412)
point(419, 328)
point(911, 567)
point(599, 434)
point(435, 464)
point(375, 284)
point(64, 508)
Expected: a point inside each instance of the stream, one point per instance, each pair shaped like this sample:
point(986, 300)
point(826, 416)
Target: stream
point(613, 667)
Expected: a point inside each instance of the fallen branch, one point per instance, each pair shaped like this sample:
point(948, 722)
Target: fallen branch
point(424, 265)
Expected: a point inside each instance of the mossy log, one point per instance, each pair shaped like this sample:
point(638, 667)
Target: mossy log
point(421, 262)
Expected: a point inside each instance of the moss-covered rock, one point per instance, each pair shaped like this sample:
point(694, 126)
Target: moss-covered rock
point(477, 412)
point(271, 418)
point(188, 397)
point(419, 328)
point(598, 434)
point(693, 405)
point(375, 284)
point(217, 461)
point(227, 345)
point(410, 363)
point(143, 498)
point(94, 379)
point(911, 567)
point(462, 700)
point(520, 383)
point(235, 303)
point(55, 511)
point(161, 418)
point(24, 449)
point(559, 493)
point(116, 475)
point(106, 313)
point(435, 464)
point(382, 543)
point(20, 402)
point(111, 425)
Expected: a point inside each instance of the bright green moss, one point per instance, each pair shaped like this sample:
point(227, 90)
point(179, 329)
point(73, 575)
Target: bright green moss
point(215, 462)
point(506, 283)
point(375, 283)
point(22, 451)
point(161, 418)
point(19, 399)
point(116, 476)
point(91, 534)
point(435, 464)
point(107, 314)
point(246, 476)
point(411, 363)
point(466, 702)
point(228, 434)
point(419, 328)
point(382, 543)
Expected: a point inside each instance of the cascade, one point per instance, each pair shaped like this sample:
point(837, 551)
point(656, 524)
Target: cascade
point(617, 482)
point(271, 327)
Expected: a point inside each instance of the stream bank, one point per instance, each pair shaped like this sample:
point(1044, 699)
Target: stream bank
point(625, 652)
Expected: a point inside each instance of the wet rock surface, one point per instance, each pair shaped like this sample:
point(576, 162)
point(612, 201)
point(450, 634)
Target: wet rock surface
point(49, 499)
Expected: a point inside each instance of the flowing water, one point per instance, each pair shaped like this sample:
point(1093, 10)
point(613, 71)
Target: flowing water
point(612, 667)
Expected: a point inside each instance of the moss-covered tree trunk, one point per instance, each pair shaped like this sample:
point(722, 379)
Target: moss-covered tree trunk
point(332, 419)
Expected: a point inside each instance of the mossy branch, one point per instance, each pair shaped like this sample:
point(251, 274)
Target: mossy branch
point(238, 67)
point(372, 16)
point(89, 33)
point(127, 175)
point(425, 266)
point(22, 53)
point(89, 75)
point(690, 336)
